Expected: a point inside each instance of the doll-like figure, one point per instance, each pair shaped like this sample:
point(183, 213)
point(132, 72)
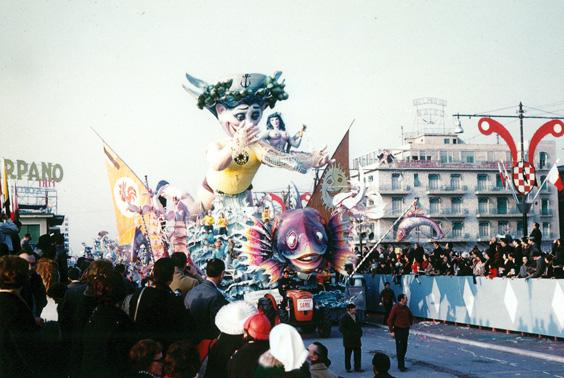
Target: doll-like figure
point(277, 136)
point(238, 105)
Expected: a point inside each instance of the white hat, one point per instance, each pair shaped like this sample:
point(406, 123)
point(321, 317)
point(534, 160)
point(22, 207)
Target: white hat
point(231, 317)
point(287, 346)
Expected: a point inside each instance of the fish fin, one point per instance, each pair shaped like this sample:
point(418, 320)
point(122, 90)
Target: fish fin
point(340, 245)
point(256, 243)
point(273, 268)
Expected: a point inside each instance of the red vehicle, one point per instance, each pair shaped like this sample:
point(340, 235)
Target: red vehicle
point(301, 312)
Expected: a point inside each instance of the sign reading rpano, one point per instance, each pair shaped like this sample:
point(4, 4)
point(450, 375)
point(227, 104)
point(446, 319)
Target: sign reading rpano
point(22, 170)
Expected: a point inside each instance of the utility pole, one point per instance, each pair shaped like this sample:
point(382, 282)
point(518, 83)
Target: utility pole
point(525, 207)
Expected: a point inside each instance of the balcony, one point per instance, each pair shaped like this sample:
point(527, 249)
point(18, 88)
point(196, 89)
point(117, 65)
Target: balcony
point(449, 213)
point(457, 236)
point(496, 213)
point(447, 189)
point(394, 189)
point(546, 213)
point(491, 190)
point(484, 237)
point(392, 214)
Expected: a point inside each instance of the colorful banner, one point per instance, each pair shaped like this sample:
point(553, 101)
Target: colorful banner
point(335, 179)
point(5, 191)
point(130, 193)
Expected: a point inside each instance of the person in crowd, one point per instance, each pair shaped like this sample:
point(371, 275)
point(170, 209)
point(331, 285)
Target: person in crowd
point(284, 284)
point(222, 224)
point(218, 250)
point(549, 270)
point(18, 327)
point(287, 356)
point(74, 277)
point(205, 300)
point(510, 267)
point(558, 261)
point(146, 358)
point(230, 321)
point(478, 266)
point(34, 292)
point(61, 256)
point(49, 273)
point(181, 281)
point(387, 299)
point(381, 365)
point(158, 313)
point(109, 332)
point(399, 322)
point(265, 216)
point(540, 266)
point(350, 328)
point(525, 268)
point(181, 360)
point(26, 244)
point(244, 361)
point(78, 304)
point(9, 235)
point(267, 306)
point(319, 362)
point(536, 235)
point(208, 222)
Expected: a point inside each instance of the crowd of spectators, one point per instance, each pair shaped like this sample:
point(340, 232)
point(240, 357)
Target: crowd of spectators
point(98, 323)
point(503, 257)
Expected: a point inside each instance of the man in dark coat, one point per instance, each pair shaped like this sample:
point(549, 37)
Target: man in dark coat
point(352, 332)
point(398, 323)
point(540, 266)
point(244, 361)
point(158, 313)
point(536, 235)
point(18, 328)
point(205, 300)
point(387, 299)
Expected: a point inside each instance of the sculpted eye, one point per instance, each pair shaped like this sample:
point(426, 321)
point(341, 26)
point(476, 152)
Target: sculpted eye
point(292, 240)
point(255, 116)
point(240, 116)
point(319, 236)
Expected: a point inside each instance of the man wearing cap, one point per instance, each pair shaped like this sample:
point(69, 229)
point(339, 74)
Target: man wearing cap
point(245, 360)
point(205, 300)
point(319, 362)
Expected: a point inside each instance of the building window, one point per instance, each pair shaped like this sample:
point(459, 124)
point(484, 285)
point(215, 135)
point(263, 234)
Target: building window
point(482, 182)
point(456, 205)
point(467, 156)
point(457, 229)
point(498, 181)
point(370, 178)
point(484, 229)
point(502, 205)
point(503, 227)
point(545, 207)
point(416, 181)
point(434, 205)
point(397, 204)
point(454, 141)
point(396, 178)
point(446, 156)
point(433, 181)
point(447, 141)
point(482, 205)
point(543, 160)
point(546, 230)
point(455, 181)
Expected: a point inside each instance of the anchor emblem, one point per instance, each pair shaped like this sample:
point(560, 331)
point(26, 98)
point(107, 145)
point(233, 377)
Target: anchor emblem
point(246, 82)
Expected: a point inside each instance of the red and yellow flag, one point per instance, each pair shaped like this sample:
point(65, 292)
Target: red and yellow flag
point(129, 194)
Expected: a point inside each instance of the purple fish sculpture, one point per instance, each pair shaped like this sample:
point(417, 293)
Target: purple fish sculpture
point(409, 223)
point(300, 239)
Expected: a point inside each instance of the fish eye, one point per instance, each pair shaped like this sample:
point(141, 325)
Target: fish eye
point(319, 236)
point(292, 240)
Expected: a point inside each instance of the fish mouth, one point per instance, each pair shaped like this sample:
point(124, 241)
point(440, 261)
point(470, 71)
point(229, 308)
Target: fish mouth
point(308, 262)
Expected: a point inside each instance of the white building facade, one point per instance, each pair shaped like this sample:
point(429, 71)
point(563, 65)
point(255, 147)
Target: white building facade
point(458, 186)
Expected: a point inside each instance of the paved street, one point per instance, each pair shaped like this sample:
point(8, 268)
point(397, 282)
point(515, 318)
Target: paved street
point(470, 356)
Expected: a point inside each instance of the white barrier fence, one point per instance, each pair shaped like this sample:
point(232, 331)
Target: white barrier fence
point(533, 306)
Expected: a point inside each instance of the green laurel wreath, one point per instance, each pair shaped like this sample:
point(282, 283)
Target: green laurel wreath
point(271, 92)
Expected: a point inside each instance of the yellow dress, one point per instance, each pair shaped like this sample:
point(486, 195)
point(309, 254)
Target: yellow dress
point(238, 176)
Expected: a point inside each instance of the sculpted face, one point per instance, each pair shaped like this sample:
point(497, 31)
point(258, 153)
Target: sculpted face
point(275, 122)
point(233, 119)
point(302, 239)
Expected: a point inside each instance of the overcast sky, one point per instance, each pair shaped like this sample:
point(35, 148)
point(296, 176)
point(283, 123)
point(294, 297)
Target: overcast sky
point(118, 67)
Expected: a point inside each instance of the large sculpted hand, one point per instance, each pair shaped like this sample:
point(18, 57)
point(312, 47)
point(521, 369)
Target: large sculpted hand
point(320, 158)
point(243, 137)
